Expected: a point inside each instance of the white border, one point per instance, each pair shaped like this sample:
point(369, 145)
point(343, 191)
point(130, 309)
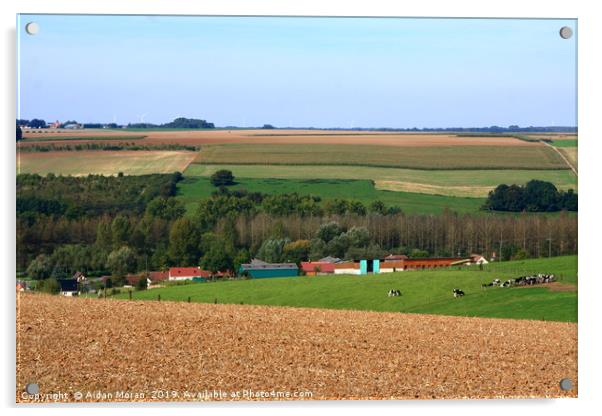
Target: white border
point(590, 135)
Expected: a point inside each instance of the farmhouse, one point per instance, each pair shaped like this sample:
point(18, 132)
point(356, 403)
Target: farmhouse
point(259, 269)
point(68, 287)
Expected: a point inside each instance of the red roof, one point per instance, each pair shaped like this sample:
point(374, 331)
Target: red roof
point(311, 266)
point(133, 279)
point(158, 276)
point(185, 272)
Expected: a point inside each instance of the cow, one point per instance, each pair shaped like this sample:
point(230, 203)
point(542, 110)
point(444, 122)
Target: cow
point(394, 292)
point(457, 293)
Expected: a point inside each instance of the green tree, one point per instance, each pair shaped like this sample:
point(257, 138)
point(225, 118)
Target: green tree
point(165, 208)
point(184, 243)
point(142, 283)
point(328, 231)
point(120, 230)
point(272, 250)
point(296, 251)
point(121, 262)
point(222, 177)
point(378, 207)
point(217, 258)
point(50, 285)
point(40, 268)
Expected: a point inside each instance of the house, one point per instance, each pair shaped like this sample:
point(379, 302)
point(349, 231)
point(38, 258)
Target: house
point(259, 269)
point(79, 277)
point(157, 277)
point(134, 279)
point(68, 287)
point(478, 259)
point(192, 273)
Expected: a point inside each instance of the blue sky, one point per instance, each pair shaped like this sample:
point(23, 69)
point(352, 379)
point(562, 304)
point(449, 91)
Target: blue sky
point(320, 72)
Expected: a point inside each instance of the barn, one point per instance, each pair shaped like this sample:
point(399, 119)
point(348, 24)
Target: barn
point(68, 287)
point(259, 269)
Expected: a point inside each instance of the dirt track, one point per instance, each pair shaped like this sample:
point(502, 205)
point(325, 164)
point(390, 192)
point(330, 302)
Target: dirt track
point(107, 346)
point(192, 137)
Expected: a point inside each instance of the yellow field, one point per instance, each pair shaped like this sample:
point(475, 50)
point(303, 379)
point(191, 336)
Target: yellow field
point(83, 163)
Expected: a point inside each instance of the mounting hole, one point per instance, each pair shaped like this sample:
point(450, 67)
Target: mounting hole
point(566, 32)
point(566, 384)
point(32, 28)
point(32, 388)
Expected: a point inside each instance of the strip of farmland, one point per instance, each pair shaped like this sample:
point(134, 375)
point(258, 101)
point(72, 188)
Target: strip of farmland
point(535, 157)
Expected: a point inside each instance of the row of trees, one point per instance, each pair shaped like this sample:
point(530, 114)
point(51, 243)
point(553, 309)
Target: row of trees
point(535, 196)
point(178, 123)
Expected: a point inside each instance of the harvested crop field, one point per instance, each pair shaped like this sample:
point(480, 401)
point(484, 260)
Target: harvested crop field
point(103, 162)
point(537, 157)
point(186, 350)
point(200, 137)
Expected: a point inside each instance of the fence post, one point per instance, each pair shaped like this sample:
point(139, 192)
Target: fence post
point(130, 294)
point(159, 297)
point(188, 299)
point(215, 301)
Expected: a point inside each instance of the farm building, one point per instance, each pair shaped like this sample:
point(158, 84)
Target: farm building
point(192, 273)
point(259, 269)
point(395, 263)
point(320, 267)
point(68, 287)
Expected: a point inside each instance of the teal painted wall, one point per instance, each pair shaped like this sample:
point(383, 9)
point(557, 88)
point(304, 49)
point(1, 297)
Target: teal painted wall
point(376, 266)
point(267, 273)
point(363, 266)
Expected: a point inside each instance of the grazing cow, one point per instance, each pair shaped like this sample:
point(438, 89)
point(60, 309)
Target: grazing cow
point(394, 292)
point(457, 293)
point(496, 282)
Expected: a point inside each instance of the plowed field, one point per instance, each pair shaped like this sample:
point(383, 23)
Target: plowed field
point(193, 351)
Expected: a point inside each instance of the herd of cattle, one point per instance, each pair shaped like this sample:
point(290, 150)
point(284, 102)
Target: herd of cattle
point(536, 279)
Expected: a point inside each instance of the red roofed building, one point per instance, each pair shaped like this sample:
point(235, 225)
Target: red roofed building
point(313, 268)
point(158, 276)
point(188, 273)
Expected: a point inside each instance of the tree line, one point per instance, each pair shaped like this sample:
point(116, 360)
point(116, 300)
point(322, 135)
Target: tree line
point(535, 196)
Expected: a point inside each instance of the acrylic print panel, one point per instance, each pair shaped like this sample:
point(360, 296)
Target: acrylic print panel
point(295, 208)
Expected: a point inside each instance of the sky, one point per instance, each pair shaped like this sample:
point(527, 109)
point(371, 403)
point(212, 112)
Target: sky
point(298, 71)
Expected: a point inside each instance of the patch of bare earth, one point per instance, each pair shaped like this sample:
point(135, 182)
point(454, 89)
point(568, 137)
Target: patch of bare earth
point(109, 346)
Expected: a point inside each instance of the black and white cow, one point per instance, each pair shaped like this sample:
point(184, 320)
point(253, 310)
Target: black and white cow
point(394, 292)
point(457, 293)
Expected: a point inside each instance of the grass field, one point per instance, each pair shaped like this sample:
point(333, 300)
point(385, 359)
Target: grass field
point(565, 143)
point(536, 157)
point(464, 183)
point(192, 189)
point(422, 292)
point(103, 162)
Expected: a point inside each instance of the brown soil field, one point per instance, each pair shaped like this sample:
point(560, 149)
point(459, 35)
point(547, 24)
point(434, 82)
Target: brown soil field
point(184, 351)
point(200, 137)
